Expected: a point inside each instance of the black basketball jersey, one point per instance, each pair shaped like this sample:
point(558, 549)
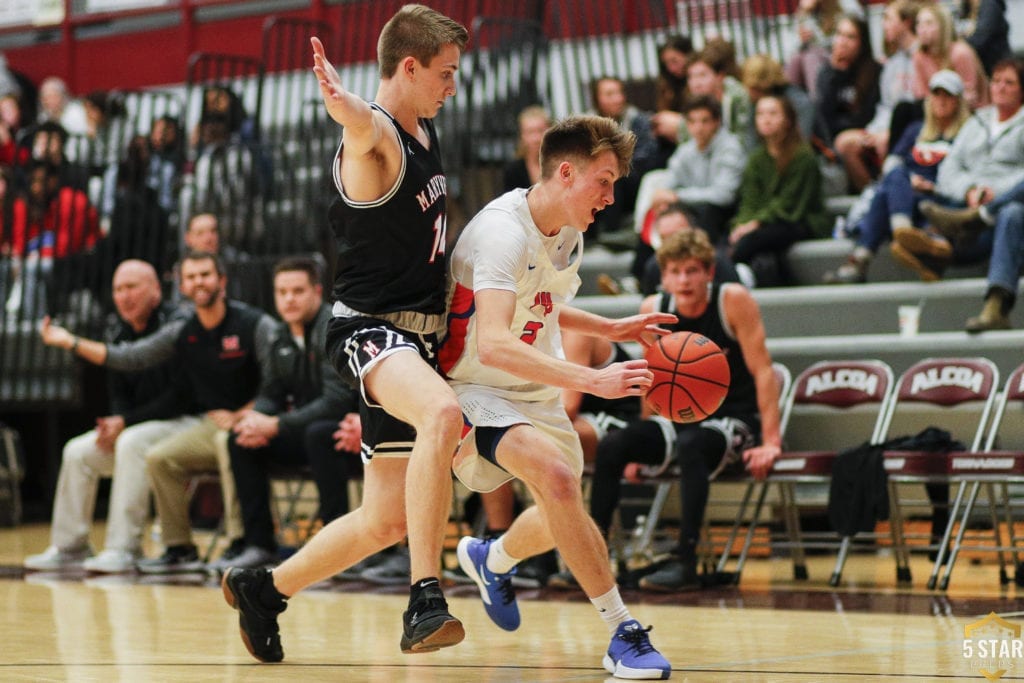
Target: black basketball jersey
point(391, 251)
point(742, 397)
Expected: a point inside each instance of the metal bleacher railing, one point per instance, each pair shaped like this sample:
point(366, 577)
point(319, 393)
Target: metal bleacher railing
point(256, 143)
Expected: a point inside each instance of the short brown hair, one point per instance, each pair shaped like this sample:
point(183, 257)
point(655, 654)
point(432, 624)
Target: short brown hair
point(304, 264)
point(417, 31)
point(686, 244)
point(583, 138)
point(196, 255)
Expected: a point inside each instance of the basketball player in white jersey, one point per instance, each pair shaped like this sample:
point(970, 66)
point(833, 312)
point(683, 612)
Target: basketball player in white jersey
point(514, 269)
point(389, 221)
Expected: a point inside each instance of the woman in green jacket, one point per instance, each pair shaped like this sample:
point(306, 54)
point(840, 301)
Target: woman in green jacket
point(780, 197)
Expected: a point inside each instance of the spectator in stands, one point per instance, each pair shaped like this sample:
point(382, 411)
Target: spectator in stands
point(137, 225)
point(986, 177)
point(608, 96)
point(780, 197)
point(49, 144)
point(101, 144)
point(848, 91)
point(986, 161)
point(203, 234)
point(912, 171)
point(13, 219)
point(670, 91)
point(223, 350)
point(12, 151)
point(817, 21)
point(57, 105)
point(863, 149)
point(8, 83)
point(762, 75)
point(987, 31)
point(707, 74)
point(166, 161)
point(301, 389)
point(524, 170)
point(745, 428)
point(704, 172)
point(938, 48)
point(60, 224)
point(226, 179)
point(674, 218)
point(144, 409)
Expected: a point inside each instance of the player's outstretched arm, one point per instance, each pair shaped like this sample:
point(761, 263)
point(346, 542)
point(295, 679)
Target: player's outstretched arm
point(53, 334)
point(349, 110)
point(642, 328)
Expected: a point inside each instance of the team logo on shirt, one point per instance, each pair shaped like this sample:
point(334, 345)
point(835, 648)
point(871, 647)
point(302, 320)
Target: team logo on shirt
point(230, 343)
point(543, 301)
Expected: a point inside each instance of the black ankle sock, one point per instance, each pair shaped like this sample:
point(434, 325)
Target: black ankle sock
point(416, 589)
point(270, 597)
point(490, 534)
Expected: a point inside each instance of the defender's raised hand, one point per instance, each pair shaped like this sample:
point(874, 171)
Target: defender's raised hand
point(344, 107)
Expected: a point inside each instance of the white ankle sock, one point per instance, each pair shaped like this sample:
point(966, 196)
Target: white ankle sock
point(900, 220)
point(499, 561)
point(611, 608)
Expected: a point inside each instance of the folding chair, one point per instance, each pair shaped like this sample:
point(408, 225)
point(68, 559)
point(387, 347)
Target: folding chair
point(996, 469)
point(294, 502)
point(665, 483)
point(956, 394)
point(833, 404)
point(196, 481)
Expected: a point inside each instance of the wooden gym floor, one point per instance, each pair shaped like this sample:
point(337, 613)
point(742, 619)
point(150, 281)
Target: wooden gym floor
point(72, 627)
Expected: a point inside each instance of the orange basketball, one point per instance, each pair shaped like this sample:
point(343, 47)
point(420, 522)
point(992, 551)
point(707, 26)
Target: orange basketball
point(691, 377)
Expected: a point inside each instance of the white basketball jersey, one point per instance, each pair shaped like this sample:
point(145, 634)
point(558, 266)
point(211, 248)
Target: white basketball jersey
point(502, 248)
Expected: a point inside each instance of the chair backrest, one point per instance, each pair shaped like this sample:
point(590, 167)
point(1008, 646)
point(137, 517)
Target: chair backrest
point(835, 404)
point(1007, 430)
point(784, 378)
point(954, 394)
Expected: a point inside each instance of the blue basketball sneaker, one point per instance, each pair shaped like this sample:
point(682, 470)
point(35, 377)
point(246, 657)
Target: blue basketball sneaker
point(631, 654)
point(496, 590)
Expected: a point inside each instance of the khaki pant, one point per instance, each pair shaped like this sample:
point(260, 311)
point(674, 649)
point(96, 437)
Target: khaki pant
point(170, 464)
point(84, 464)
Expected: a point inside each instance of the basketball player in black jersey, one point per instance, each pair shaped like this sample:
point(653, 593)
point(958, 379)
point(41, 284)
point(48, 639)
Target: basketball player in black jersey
point(389, 298)
point(745, 427)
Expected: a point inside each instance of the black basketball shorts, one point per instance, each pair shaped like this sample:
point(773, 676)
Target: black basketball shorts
point(354, 345)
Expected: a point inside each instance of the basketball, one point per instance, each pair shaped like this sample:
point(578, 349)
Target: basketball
point(691, 377)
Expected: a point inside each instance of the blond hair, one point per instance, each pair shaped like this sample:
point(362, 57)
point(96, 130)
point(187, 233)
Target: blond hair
point(685, 245)
point(764, 73)
point(941, 49)
point(930, 130)
point(417, 31)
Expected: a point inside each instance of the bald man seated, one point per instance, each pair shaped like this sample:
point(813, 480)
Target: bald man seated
point(144, 409)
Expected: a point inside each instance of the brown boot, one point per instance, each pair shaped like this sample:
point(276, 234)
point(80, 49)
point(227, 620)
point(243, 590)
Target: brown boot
point(928, 268)
point(993, 315)
point(954, 224)
point(922, 242)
